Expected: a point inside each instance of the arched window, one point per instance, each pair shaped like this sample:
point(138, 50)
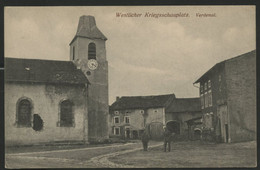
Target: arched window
point(24, 113)
point(66, 114)
point(92, 51)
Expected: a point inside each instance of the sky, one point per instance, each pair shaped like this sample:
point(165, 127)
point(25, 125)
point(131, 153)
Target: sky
point(146, 55)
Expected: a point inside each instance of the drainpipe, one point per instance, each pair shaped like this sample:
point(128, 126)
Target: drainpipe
point(164, 116)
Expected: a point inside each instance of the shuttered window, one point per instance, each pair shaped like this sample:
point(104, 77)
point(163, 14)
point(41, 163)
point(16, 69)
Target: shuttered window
point(24, 113)
point(66, 114)
point(92, 51)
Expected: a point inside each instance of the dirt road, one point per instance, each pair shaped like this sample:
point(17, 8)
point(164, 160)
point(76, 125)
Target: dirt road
point(95, 157)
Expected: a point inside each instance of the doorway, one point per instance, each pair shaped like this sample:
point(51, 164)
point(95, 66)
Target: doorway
point(127, 133)
point(173, 126)
point(135, 134)
point(226, 130)
point(224, 125)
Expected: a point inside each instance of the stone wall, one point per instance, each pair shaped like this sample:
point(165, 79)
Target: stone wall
point(45, 100)
point(137, 118)
point(98, 89)
point(241, 92)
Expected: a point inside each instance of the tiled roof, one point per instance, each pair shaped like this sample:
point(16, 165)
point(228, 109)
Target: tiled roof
point(87, 28)
point(141, 102)
point(45, 71)
point(183, 105)
point(223, 62)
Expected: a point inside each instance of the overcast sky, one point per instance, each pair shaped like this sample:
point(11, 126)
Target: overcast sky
point(146, 56)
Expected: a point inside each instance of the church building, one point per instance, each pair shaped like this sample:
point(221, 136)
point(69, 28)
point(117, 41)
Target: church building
point(59, 101)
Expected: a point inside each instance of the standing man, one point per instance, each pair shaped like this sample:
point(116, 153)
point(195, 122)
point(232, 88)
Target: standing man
point(168, 136)
point(145, 138)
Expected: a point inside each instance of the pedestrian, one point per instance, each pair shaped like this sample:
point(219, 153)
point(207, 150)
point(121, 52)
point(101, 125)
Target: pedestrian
point(168, 137)
point(145, 139)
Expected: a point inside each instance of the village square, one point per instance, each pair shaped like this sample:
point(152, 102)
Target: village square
point(59, 114)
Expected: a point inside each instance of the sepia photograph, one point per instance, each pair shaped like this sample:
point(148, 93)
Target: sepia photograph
point(130, 86)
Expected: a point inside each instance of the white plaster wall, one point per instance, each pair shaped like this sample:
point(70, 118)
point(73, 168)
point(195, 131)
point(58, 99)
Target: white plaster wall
point(46, 104)
point(155, 115)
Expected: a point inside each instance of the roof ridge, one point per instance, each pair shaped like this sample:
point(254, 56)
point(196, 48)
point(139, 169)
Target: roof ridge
point(241, 55)
point(223, 62)
point(150, 95)
point(188, 98)
point(37, 59)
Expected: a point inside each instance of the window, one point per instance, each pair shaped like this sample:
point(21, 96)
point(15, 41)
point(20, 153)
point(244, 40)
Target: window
point(202, 101)
point(116, 112)
point(205, 86)
point(209, 84)
point(201, 89)
point(206, 99)
point(92, 51)
point(24, 113)
point(66, 114)
point(210, 98)
point(142, 111)
point(208, 120)
point(116, 131)
point(219, 78)
point(127, 119)
point(116, 119)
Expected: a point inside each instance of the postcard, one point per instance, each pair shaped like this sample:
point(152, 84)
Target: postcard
point(130, 86)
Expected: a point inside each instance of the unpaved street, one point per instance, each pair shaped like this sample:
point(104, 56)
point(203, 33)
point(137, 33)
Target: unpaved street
point(130, 155)
point(193, 155)
point(77, 158)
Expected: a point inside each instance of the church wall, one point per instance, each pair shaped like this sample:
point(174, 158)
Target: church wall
point(98, 88)
point(45, 100)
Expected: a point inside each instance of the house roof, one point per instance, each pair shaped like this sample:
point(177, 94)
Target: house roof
point(44, 71)
point(87, 28)
point(184, 105)
point(223, 62)
point(141, 102)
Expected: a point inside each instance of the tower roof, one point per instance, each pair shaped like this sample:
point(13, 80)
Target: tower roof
point(87, 28)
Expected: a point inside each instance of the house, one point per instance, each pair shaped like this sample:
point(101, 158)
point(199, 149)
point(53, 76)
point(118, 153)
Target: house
point(228, 98)
point(129, 115)
point(51, 101)
point(183, 111)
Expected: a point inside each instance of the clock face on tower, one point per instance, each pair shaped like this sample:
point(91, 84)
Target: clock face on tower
point(92, 64)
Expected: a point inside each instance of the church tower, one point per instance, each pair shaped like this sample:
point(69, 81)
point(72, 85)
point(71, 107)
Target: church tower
point(88, 52)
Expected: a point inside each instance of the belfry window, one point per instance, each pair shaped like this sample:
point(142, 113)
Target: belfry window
point(24, 113)
point(66, 114)
point(92, 51)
